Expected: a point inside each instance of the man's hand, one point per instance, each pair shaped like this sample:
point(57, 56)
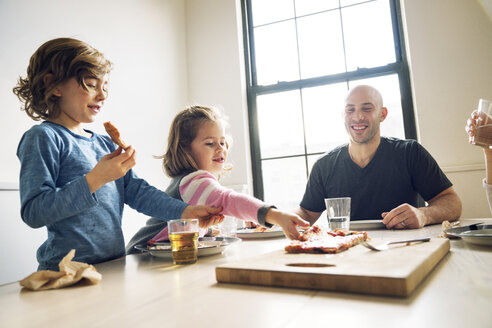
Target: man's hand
point(444, 206)
point(404, 216)
point(206, 215)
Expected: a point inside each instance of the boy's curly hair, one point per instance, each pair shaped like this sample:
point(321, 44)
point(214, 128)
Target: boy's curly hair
point(62, 58)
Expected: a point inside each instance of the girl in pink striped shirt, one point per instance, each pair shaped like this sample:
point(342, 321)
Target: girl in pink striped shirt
point(195, 159)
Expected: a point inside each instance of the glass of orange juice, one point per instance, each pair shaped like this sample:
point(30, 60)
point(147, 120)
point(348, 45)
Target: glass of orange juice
point(183, 235)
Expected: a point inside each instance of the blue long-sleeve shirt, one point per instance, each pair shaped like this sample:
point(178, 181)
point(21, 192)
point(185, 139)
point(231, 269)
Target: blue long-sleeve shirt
point(54, 193)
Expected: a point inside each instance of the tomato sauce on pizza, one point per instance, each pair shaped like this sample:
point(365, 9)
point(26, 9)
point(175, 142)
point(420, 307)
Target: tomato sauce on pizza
point(318, 241)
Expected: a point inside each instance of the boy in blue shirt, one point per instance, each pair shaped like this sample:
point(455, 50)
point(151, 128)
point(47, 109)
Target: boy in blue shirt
point(72, 180)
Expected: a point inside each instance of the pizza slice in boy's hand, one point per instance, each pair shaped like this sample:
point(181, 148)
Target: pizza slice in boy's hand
point(115, 135)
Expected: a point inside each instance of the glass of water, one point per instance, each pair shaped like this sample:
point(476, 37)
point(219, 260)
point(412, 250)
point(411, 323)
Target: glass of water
point(228, 227)
point(338, 212)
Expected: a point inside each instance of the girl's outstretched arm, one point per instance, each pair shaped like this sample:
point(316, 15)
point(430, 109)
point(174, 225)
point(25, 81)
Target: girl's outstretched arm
point(202, 187)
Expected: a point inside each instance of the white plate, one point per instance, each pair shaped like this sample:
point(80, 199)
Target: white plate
point(457, 231)
point(478, 237)
point(208, 246)
point(360, 225)
point(252, 234)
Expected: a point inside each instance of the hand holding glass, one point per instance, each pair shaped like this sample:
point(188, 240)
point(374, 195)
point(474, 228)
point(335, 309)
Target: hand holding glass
point(483, 132)
point(338, 212)
point(183, 235)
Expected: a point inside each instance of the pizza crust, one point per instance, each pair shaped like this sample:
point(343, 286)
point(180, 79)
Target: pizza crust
point(115, 135)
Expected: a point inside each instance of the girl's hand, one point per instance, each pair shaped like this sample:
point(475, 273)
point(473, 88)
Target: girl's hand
point(111, 167)
point(287, 221)
point(206, 215)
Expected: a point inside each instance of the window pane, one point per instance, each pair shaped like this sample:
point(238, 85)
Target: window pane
point(323, 108)
point(276, 53)
point(368, 35)
point(298, 40)
point(284, 181)
point(389, 88)
point(344, 3)
point(268, 11)
point(306, 7)
point(320, 44)
point(280, 124)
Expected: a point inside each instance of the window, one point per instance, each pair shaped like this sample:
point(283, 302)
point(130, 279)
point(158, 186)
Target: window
point(302, 57)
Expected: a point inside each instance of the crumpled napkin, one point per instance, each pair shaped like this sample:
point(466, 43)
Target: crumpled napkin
point(70, 273)
point(448, 225)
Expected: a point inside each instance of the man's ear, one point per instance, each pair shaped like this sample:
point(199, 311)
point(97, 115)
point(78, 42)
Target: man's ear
point(384, 113)
point(48, 83)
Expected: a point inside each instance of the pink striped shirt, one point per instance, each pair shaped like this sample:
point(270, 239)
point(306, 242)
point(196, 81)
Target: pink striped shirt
point(203, 188)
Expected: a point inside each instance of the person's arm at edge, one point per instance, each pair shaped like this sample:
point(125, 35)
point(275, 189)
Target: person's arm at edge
point(488, 165)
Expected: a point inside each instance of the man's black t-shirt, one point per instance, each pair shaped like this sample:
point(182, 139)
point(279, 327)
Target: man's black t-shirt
point(399, 171)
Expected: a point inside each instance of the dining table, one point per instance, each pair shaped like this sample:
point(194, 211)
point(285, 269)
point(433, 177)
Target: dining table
point(142, 290)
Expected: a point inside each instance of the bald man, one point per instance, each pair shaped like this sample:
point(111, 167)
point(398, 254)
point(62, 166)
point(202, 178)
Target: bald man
point(383, 176)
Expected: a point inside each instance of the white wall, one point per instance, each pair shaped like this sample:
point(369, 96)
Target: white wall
point(450, 48)
point(19, 242)
point(144, 39)
point(216, 74)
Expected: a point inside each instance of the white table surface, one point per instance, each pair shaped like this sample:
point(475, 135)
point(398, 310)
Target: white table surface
point(144, 291)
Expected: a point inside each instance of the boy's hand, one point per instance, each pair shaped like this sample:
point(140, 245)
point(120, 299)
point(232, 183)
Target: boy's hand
point(287, 221)
point(111, 167)
point(206, 215)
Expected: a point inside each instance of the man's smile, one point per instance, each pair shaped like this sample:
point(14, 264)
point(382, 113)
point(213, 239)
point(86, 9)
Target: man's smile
point(359, 127)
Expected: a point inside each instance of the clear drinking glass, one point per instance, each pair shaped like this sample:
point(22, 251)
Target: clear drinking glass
point(228, 227)
point(338, 212)
point(183, 235)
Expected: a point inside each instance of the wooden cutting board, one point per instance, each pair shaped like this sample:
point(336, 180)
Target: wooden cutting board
point(394, 272)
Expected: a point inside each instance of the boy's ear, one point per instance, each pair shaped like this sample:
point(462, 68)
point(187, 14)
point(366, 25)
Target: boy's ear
point(48, 81)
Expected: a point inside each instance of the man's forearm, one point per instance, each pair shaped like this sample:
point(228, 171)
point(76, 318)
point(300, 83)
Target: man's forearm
point(441, 208)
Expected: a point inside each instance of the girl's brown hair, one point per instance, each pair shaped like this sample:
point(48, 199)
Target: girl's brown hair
point(62, 58)
point(177, 159)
